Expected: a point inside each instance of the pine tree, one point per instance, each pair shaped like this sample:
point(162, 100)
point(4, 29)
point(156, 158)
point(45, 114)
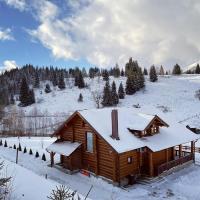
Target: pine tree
point(145, 72)
point(24, 93)
point(37, 80)
point(61, 83)
point(116, 71)
point(54, 79)
point(107, 99)
point(162, 72)
point(47, 88)
point(130, 86)
point(176, 70)
point(114, 95)
point(152, 74)
point(121, 92)
point(105, 75)
point(197, 70)
point(80, 98)
point(81, 83)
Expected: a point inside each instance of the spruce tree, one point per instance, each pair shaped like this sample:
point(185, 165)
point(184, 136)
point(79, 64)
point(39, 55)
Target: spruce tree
point(107, 99)
point(114, 95)
point(152, 74)
point(61, 83)
point(80, 98)
point(24, 93)
point(116, 71)
point(30, 152)
point(37, 154)
point(162, 73)
point(145, 72)
point(197, 70)
point(176, 70)
point(105, 75)
point(25, 150)
point(54, 79)
point(121, 92)
point(37, 80)
point(81, 83)
point(43, 157)
point(130, 86)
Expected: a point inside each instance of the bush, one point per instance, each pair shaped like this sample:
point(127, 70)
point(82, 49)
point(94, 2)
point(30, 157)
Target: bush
point(37, 154)
point(20, 148)
point(62, 193)
point(25, 150)
point(30, 152)
point(43, 157)
point(5, 144)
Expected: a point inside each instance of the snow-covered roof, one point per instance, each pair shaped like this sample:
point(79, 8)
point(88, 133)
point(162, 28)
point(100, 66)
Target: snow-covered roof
point(64, 148)
point(100, 120)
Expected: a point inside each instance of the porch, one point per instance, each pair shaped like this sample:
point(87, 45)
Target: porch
point(181, 156)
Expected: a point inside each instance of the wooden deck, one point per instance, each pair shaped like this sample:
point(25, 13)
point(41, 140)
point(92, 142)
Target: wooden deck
point(174, 163)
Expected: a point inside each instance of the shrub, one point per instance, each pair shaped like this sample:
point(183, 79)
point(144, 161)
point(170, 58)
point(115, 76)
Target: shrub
point(25, 150)
point(30, 152)
point(5, 144)
point(43, 157)
point(37, 154)
point(19, 147)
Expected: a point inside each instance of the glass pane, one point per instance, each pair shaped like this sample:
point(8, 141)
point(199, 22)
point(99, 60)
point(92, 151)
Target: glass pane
point(89, 142)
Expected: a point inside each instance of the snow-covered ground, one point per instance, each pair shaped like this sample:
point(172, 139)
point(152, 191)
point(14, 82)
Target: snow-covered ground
point(183, 184)
point(171, 97)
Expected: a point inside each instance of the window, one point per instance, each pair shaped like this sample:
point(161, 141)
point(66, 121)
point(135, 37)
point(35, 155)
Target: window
point(130, 160)
point(89, 141)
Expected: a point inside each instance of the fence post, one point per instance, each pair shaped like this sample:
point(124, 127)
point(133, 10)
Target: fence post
point(17, 155)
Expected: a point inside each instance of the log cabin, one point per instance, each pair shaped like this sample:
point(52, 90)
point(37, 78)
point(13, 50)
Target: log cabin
point(120, 145)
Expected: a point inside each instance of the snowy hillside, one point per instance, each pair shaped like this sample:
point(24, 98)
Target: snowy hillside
point(171, 97)
point(191, 66)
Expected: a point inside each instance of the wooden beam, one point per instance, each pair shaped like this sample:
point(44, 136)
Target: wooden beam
point(52, 158)
point(151, 170)
point(193, 149)
point(73, 133)
point(96, 153)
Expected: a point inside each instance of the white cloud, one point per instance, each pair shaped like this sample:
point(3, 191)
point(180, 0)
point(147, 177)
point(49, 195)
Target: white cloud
point(5, 34)
point(8, 65)
point(105, 32)
point(18, 4)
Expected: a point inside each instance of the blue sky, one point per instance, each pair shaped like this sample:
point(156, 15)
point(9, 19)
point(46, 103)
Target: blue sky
point(22, 48)
point(68, 33)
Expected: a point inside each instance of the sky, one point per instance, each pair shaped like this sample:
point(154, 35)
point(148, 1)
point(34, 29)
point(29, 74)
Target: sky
point(69, 33)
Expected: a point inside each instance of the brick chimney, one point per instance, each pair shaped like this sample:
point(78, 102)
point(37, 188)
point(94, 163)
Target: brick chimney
point(114, 119)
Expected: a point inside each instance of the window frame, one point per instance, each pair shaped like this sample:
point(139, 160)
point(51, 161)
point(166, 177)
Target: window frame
point(91, 150)
point(130, 160)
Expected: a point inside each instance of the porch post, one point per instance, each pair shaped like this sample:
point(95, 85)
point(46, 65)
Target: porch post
point(151, 170)
point(180, 150)
point(52, 158)
point(167, 157)
point(193, 149)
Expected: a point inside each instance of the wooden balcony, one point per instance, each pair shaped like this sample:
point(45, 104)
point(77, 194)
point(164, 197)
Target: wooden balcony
point(174, 163)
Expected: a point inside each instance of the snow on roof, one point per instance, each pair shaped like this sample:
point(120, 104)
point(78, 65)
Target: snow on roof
point(100, 120)
point(64, 148)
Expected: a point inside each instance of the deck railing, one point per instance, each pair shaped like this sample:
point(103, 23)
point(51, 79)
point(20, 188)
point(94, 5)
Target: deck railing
point(174, 163)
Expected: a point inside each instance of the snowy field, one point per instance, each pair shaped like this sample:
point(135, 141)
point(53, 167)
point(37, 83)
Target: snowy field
point(183, 184)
